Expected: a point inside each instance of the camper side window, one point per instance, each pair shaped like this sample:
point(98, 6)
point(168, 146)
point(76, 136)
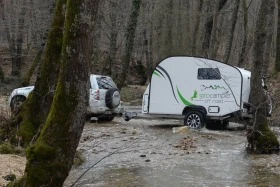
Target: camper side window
point(208, 74)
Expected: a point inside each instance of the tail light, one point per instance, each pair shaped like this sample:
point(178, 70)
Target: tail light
point(97, 95)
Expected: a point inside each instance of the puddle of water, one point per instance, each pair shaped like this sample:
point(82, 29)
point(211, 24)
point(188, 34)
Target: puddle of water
point(229, 170)
point(227, 163)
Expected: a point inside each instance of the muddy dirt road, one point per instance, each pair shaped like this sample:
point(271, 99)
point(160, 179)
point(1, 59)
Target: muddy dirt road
point(147, 153)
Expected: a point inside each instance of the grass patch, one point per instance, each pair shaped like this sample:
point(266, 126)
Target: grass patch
point(8, 148)
point(133, 94)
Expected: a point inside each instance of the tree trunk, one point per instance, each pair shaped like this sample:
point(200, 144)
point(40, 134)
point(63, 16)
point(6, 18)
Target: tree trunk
point(113, 40)
point(35, 63)
point(150, 39)
point(19, 41)
point(178, 44)
point(10, 37)
point(269, 37)
point(262, 139)
point(51, 157)
point(210, 25)
point(242, 56)
point(2, 76)
point(231, 31)
point(196, 27)
point(146, 53)
point(37, 106)
point(168, 39)
point(130, 35)
point(277, 61)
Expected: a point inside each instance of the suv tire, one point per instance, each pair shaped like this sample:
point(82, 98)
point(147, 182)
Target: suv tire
point(112, 98)
point(16, 103)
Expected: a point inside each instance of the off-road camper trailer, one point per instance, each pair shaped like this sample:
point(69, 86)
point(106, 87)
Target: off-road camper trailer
point(197, 89)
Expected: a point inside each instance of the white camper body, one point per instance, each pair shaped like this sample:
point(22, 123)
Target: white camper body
point(181, 86)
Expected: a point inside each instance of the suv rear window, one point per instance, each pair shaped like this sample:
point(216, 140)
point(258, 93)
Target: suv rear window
point(105, 83)
point(208, 74)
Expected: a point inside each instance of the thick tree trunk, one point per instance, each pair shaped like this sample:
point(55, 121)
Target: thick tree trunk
point(262, 139)
point(231, 31)
point(38, 104)
point(51, 157)
point(130, 36)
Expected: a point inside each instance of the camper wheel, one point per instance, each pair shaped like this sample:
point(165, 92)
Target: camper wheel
point(194, 119)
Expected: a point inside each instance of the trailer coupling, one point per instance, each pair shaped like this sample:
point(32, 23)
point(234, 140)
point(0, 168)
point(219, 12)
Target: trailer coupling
point(129, 115)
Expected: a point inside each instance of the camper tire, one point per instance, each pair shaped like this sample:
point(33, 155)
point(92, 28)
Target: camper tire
point(194, 119)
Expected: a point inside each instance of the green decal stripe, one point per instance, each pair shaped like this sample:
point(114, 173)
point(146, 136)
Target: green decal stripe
point(156, 73)
point(187, 103)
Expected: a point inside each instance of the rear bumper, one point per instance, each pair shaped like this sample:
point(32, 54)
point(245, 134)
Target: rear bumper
point(105, 111)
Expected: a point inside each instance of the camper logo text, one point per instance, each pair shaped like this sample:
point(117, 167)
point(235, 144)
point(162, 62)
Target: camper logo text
point(211, 94)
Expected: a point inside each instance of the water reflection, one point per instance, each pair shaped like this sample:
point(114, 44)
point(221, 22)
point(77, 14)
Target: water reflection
point(225, 164)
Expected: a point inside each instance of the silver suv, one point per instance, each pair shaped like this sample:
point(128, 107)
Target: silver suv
point(104, 99)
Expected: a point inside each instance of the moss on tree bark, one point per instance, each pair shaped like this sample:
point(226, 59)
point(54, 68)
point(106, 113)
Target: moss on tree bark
point(39, 102)
point(49, 160)
point(263, 139)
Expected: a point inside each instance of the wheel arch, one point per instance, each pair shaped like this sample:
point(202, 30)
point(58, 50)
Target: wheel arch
point(17, 96)
point(198, 108)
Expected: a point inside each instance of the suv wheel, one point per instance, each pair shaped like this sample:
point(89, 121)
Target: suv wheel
point(16, 104)
point(112, 98)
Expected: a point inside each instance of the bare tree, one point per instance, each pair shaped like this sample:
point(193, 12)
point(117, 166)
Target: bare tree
point(15, 33)
point(130, 36)
point(196, 27)
point(35, 63)
point(211, 24)
point(269, 37)
point(242, 56)
point(277, 61)
point(2, 76)
point(231, 31)
point(113, 39)
point(261, 138)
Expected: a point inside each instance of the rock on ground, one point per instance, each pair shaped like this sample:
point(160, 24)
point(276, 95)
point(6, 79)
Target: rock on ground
point(11, 164)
